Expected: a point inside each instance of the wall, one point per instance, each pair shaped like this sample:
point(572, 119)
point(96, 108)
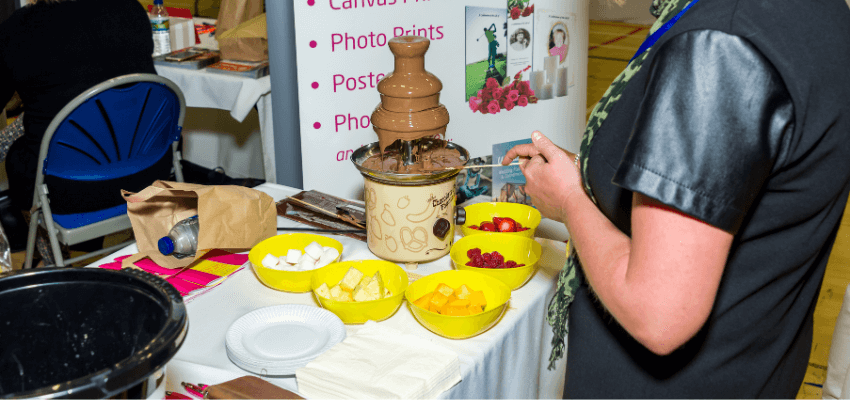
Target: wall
point(633, 11)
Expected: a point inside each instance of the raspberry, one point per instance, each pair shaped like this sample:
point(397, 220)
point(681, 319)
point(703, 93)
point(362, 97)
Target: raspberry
point(510, 264)
point(472, 252)
point(477, 261)
point(498, 259)
point(487, 257)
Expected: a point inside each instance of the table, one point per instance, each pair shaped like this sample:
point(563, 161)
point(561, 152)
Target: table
point(507, 361)
point(235, 94)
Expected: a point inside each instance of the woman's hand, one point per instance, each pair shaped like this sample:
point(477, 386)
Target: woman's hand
point(551, 177)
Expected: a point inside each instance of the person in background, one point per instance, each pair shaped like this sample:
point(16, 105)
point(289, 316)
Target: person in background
point(704, 203)
point(50, 52)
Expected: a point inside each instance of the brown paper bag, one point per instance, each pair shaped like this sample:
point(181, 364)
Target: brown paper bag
point(233, 46)
point(233, 218)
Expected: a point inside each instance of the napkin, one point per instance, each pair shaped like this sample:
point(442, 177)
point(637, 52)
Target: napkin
point(379, 362)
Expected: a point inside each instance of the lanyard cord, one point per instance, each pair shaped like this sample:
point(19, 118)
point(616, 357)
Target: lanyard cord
point(663, 29)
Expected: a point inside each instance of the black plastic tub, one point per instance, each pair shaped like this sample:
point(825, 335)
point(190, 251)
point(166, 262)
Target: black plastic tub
point(87, 332)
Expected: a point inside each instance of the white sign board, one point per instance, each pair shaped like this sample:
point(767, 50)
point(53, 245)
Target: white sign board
point(342, 54)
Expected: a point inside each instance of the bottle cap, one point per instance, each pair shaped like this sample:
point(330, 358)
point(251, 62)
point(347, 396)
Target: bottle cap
point(166, 245)
point(157, 2)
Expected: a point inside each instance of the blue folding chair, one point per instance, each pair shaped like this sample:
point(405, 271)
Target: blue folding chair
point(114, 130)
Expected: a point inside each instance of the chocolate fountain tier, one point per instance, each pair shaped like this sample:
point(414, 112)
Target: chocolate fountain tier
point(391, 126)
point(450, 158)
point(409, 79)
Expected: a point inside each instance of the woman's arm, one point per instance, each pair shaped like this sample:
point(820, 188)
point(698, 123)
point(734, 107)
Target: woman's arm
point(661, 283)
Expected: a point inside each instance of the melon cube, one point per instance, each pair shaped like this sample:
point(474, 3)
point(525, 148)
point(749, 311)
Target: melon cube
point(446, 290)
point(462, 292)
point(476, 298)
point(423, 301)
point(438, 300)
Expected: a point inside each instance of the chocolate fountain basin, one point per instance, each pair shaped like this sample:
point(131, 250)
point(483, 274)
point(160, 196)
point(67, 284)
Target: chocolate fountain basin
point(409, 217)
point(393, 178)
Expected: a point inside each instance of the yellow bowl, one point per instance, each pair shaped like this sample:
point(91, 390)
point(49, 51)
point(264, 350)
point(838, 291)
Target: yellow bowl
point(477, 213)
point(288, 281)
point(520, 249)
point(358, 312)
point(496, 293)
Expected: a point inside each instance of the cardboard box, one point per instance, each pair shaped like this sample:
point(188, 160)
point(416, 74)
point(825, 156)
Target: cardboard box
point(181, 32)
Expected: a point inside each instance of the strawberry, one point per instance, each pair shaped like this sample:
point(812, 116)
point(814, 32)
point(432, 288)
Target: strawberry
point(507, 225)
point(473, 227)
point(488, 226)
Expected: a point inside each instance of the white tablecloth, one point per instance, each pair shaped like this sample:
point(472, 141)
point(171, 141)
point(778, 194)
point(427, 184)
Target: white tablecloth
point(237, 95)
point(507, 361)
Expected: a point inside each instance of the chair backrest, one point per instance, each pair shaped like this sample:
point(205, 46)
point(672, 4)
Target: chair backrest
point(115, 129)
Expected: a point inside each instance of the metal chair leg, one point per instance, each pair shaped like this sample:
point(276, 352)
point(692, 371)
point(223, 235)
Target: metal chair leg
point(52, 232)
point(33, 229)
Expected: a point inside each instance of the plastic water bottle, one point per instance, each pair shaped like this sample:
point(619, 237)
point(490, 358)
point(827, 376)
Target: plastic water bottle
point(160, 27)
point(182, 239)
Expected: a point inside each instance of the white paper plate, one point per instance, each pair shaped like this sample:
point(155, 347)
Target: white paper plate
point(278, 340)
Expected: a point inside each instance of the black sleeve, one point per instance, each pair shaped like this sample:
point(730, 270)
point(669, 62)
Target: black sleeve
point(713, 118)
point(6, 88)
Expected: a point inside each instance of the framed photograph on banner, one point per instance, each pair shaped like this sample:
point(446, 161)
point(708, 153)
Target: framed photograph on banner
point(486, 47)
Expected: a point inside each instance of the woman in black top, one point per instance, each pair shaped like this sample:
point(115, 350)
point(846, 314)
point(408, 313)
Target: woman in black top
point(50, 52)
point(704, 203)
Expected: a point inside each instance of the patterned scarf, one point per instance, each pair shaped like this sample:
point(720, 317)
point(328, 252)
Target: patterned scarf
point(558, 312)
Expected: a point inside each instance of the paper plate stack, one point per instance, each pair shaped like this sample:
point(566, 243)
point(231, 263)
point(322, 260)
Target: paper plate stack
point(278, 340)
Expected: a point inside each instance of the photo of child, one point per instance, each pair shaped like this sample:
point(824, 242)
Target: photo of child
point(520, 39)
point(559, 41)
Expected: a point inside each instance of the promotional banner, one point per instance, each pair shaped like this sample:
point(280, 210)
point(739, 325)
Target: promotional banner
point(507, 67)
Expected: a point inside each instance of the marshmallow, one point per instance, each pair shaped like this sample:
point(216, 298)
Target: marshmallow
point(314, 250)
point(293, 255)
point(306, 264)
point(270, 261)
point(328, 256)
point(305, 258)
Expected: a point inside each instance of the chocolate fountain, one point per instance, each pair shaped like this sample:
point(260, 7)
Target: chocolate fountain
point(410, 172)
